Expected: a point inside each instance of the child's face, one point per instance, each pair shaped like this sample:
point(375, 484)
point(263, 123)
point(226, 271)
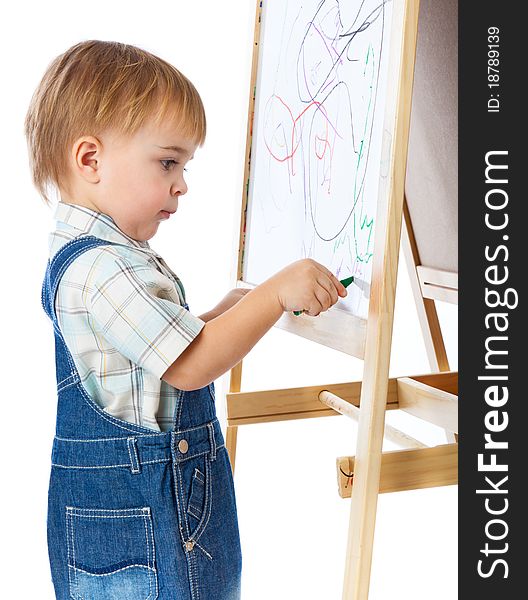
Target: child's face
point(139, 181)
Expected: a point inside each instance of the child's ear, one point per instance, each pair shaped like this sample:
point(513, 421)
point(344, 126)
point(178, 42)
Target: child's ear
point(85, 152)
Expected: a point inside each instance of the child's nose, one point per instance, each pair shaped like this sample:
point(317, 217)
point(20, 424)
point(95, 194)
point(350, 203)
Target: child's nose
point(179, 188)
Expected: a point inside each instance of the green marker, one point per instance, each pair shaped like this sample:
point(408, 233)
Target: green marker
point(346, 282)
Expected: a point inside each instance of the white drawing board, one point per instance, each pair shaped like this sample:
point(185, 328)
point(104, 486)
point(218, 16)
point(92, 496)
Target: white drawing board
point(316, 146)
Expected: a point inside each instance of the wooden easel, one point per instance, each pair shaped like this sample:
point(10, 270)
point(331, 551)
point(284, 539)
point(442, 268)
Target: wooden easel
point(432, 397)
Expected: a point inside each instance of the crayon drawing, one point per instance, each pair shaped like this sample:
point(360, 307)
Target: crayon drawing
point(316, 139)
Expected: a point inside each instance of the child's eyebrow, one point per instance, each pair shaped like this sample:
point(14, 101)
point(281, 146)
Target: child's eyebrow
point(176, 149)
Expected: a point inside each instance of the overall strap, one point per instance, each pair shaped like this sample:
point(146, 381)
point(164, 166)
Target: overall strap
point(59, 263)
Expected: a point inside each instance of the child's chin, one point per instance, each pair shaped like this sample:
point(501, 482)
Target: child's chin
point(145, 236)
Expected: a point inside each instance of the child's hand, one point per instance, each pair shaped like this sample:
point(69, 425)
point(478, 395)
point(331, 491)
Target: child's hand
point(306, 285)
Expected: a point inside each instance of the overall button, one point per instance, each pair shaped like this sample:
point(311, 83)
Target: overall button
point(183, 446)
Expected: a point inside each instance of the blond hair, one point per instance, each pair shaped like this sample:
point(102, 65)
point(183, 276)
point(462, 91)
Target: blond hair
point(96, 86)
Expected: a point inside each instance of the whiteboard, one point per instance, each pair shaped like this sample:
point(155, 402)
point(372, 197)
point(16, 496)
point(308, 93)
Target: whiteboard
point(316, 144)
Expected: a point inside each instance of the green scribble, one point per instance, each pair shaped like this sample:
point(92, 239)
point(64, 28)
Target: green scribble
point(363, 219)
point(339, 242)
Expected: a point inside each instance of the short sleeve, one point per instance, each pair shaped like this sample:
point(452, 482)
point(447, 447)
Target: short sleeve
point(136, 308)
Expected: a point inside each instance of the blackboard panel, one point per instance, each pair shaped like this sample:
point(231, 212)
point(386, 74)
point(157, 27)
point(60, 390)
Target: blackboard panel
point(432, 169)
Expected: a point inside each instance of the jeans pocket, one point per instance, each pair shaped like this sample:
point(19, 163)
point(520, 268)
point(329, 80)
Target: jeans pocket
point(111, 554)
point(198, 506)
point(195, 505)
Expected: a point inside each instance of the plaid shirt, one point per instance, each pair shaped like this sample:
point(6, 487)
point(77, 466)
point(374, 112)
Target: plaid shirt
point(120, 310)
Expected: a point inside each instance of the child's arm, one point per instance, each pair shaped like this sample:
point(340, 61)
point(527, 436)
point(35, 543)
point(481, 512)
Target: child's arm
point(230, 299)
point(226, 339)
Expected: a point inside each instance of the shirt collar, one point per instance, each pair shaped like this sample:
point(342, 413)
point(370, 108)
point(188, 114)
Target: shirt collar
point(90, 222)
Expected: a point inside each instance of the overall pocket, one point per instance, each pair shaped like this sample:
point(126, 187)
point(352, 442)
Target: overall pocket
point(199, 504)
point(111, 554)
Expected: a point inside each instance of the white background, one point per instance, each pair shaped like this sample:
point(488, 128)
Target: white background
point(293, 523)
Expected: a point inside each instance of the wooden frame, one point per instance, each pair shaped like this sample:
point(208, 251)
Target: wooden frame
point(432, 397)
point(404, 470)
point(336, 329)
point(431, 404)
point(438, 285)
point(380, 321)
point(427, 314)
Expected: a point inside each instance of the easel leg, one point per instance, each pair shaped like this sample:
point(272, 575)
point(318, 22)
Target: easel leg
point(231, 440)
point(374, 387)
point(425, 307)
point(235, 381)
point(365, 487)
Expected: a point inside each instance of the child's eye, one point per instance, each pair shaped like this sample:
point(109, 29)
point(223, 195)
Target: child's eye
point(167, 167)
point(167, 161)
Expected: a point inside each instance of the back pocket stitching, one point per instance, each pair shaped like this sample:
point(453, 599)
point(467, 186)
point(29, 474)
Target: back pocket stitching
point(72, 511)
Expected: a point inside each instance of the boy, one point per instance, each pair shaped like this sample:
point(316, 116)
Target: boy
point(141, 499)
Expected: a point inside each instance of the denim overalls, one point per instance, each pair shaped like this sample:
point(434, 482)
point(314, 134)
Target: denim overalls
point(135, 514)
